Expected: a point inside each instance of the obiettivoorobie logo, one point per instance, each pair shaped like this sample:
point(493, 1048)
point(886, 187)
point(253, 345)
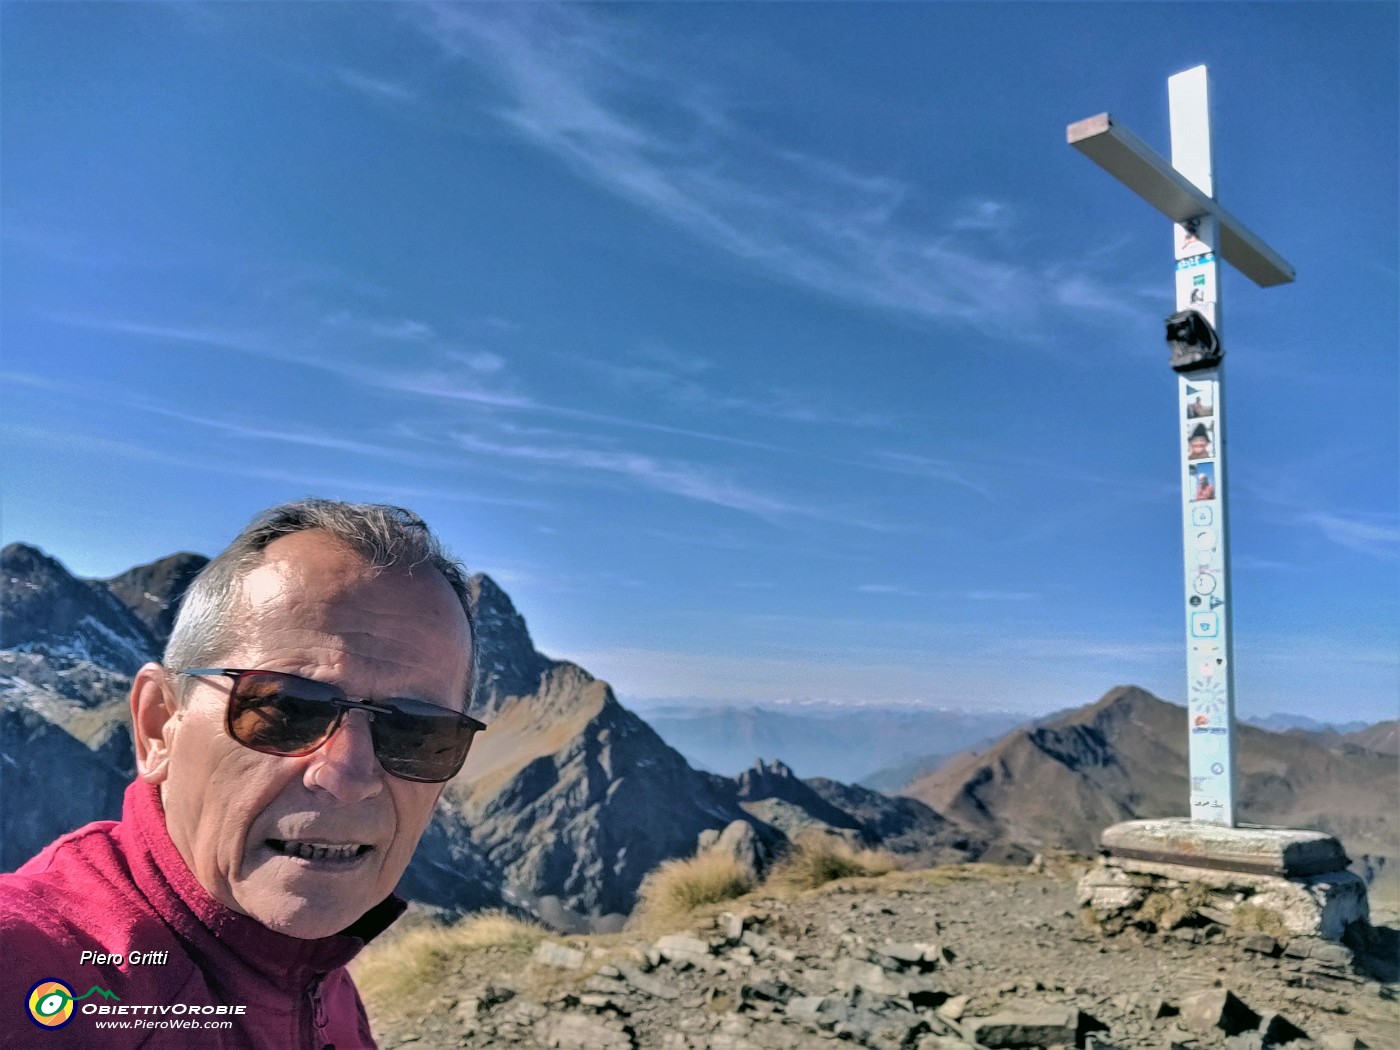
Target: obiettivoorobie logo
point(51, 1002)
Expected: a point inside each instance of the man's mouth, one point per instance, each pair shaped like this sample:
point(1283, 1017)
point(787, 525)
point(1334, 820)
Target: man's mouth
point(328, 852)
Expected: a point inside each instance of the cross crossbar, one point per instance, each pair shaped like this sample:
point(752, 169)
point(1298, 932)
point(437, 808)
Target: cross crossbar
point(1130, 160)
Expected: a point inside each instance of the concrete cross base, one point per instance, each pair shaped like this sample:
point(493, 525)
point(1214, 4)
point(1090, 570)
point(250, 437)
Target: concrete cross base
point(1169, 873)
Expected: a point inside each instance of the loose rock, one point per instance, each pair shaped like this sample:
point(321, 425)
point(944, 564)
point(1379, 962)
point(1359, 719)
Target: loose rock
point(1218, 1009)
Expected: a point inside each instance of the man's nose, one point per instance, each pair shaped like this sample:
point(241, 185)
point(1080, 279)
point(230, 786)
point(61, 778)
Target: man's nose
point(345, 764)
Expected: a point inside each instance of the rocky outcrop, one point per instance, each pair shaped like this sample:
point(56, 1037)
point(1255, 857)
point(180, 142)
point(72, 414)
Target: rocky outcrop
point(450, 872)
point(153, 591)
point(902, 825)
point(44, 609)
point(575, 799)
point(801, 807)
point(50, 782)
point(508, 665)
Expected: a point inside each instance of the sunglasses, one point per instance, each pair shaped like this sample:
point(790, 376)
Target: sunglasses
point(287, 715)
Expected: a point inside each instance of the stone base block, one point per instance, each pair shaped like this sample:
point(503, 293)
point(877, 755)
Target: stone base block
point(1313, 906)
point(1261, 851)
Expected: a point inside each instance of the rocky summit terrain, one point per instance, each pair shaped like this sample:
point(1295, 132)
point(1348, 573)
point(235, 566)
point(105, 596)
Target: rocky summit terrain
point(940, 959)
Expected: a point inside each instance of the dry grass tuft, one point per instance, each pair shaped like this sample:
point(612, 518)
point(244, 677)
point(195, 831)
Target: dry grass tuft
point(1168, 909)
point(1256, 917)
point(398, 971)
point(678, 887)
point(817, 859)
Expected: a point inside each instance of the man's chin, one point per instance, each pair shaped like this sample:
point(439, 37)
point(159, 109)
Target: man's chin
point(307, 919)
point(306, 907)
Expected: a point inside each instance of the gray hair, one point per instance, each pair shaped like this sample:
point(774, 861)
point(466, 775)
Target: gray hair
point(385, 536)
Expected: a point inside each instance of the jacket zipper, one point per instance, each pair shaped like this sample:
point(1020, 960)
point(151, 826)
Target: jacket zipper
point(318, 1014)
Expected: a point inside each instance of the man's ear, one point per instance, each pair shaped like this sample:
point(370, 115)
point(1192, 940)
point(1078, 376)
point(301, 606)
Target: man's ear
point(153, 706)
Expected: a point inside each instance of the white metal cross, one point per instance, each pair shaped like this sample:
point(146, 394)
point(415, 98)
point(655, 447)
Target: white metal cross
point(1184, 191)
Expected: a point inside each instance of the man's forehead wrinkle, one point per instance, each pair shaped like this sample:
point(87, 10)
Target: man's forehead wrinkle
point(331, 623)
point(315, 607)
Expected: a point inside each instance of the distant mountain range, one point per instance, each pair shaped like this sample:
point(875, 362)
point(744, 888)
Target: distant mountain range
point(569, 799)
point(1059, 783)
point(1281, 722)
point(881, 746)
point(842, 742)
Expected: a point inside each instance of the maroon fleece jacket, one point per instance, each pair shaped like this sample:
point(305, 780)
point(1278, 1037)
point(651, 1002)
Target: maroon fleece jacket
point(121, 887)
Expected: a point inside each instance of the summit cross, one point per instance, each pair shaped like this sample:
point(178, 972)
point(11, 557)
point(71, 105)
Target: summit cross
point(1184, 191)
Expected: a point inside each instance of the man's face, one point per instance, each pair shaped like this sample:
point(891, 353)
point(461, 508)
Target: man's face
point(236, 815)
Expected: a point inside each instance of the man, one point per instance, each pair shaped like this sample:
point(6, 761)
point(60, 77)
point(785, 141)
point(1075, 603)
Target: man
point(1205, 488)
point(290, 750)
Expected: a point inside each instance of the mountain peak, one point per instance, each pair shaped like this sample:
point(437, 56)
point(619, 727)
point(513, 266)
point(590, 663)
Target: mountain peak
point(1121, 696)
point(153, 591)
point(508, 664)
point(46, 609)
point(24, 559)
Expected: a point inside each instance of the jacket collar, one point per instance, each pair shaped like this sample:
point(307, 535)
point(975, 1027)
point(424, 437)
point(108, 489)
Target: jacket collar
point(167, 882)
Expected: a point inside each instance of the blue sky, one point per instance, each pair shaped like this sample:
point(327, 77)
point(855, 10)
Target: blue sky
point(760, 351)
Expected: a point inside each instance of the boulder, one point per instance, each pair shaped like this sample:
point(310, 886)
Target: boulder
point(739, 841)
point(550, 953)
point(1278, 1030)
point(1028, 1026)
point(1217, 1009)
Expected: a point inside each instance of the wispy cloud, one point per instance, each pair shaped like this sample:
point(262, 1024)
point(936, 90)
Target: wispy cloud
point(209, 337)
point(298, 435)
point(401, 330)
point(1372, 533)
point(442, 374)
point(376, 87)
point(671, 476)
point(953, 472)
point(88, 445)
point(678, 380)
point(1079, 290)
point(289, 434)
point(1368, 534)
point(578, 86)
point(450, 388)
point(304, 437)
point(984, 216)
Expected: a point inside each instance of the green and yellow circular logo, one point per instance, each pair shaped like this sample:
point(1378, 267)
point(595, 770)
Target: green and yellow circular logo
point(50, 1003)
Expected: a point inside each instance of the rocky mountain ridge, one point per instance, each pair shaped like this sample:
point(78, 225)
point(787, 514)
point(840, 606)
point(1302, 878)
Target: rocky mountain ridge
point(1057, 783)
point(564, 805)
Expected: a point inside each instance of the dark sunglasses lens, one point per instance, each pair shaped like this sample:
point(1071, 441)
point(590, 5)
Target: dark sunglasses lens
point(420, 741)
point(281, 714)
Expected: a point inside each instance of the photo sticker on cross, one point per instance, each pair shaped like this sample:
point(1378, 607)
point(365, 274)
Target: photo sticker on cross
point(1200, 441)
